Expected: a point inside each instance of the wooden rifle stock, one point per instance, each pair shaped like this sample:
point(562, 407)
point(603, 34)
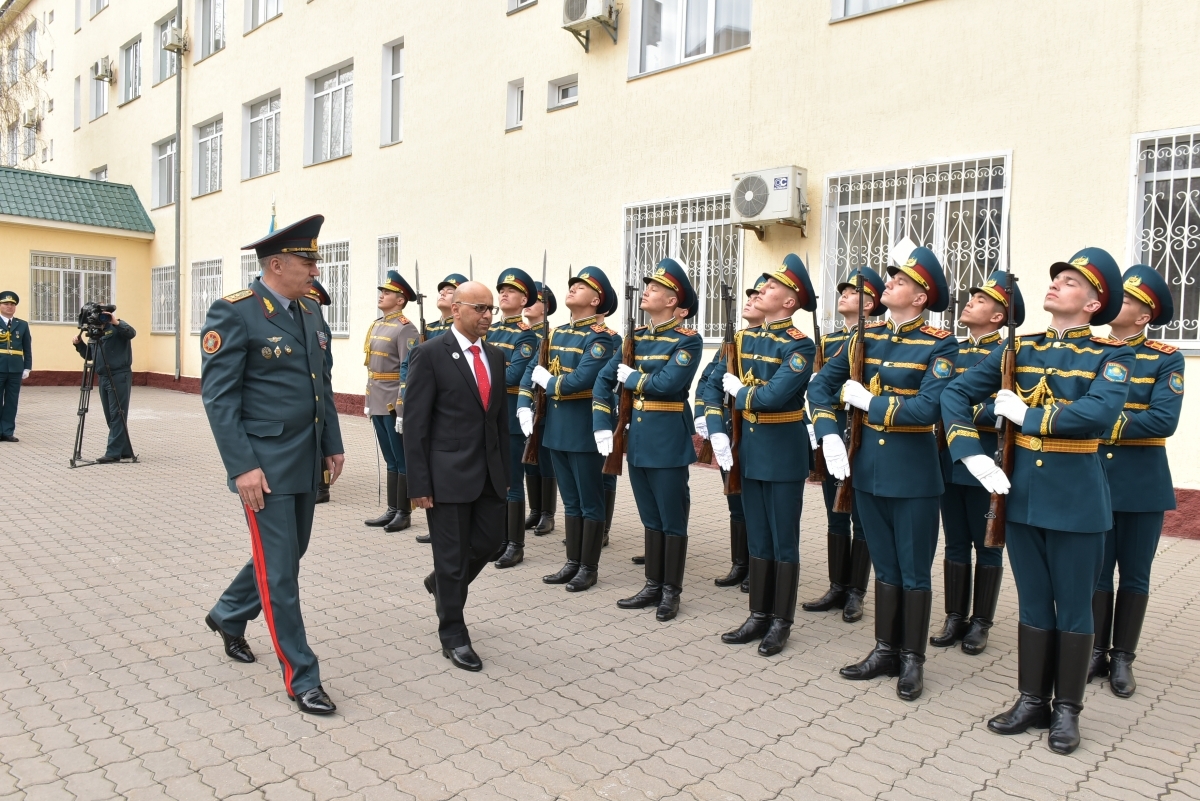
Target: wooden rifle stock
point(733, 479)
point(843, 502)
point(706, 453)
point(614, 461)
point(533, 443)
point(819, 472)
point(1006, 433)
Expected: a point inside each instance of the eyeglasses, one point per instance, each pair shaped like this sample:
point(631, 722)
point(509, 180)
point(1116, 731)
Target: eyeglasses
point(480, 308)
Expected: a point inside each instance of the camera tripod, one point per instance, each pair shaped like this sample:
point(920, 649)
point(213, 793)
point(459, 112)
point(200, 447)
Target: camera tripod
point(85, 395)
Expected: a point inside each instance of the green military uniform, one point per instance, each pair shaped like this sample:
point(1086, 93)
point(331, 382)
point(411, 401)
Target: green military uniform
point(318, 293)
point(541, 488)
point(16, 360)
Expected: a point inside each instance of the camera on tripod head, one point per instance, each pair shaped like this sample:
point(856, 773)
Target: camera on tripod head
point(93, 317)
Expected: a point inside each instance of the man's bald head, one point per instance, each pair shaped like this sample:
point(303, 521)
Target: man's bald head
point(473, 292)
point(469, 298)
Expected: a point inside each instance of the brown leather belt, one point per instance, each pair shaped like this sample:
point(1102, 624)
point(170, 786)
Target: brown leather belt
point(773, 417)
point(1052, 445)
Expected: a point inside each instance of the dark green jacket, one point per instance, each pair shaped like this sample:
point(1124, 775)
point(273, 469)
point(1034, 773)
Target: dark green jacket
point(114, 349)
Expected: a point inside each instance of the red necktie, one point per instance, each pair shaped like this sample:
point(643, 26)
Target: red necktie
point(481, 377)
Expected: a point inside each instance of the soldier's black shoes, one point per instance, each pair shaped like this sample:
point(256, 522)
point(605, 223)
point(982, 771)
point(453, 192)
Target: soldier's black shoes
point(1070, 682)
point(392, 508)
point(424, 539)
point(398, 500)
point(957, 583)
point(834, 598)
point(852, 612)
point(463, 657)
point(591, 541)
point(574, 541)
point(236, 648)
point(775, 638)
point(739, 556)
point(8, 438)
point(1098, 664)
point(533, 493)
point(912, 676)
point(953, 630)
point(674, 562)
point(746, 585)
point(383, 519)
point(584, 578)
point(549, 505)
point(106, 459)
point(783, 608)
point(918, 605)
point(1121, 679)
point(430, 583)
point(1127, 630)
point(399, 522)
point(753, 629)
point(513, 555)
point(837, 546)
point(668, 605)
point(648, 595)
point(761, 578)
point(1064, 727)
point(1035, 681)
point(1029, 712)
point(564, 574)
point(513, 552)
point(315, 701)
point(884, 660)
point(322, 493)
point(987, 595)
point(860, 574)
point(1102, 622)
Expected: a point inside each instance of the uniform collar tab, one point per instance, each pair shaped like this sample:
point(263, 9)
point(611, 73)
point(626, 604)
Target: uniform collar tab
point(1136, 339)
point(585, 321)
point(1077, 332)
point(667, 326)
point(906, 326)
point(779, 324)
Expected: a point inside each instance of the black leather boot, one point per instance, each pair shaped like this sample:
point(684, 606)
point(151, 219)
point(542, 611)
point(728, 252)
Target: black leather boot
point(884, 659)
point(762, 597)
point(403, 518)
point(739, 554)
point(1035, 682)
point(589, 556)
point(918, 604)
point(1102, 622)
point(746, 585)
point(651, 594)
point(533, 493)
point(957, 583)
point(674, 561)
point(387, 516)
point(514, 549)
point(1070, 680)
point(610, 504)
point(549, 506)
point(860, 574)
point(987, 595)
point(838, 548)
point(783, 612)
point(574, 532)
point(1127, 630)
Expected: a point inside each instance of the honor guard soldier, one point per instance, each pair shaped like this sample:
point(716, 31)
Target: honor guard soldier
point(1070, 387)
point(578, 351)
point(317, 292)
point(606, 408)
point(1134, 455)
point(849, 555)
point(16, 360)
point(513, 336)
point(666, 357)
point(388, 342)
point(897, 476)
point(965, 502)
point(264, 357)
point(775, 364)
point(540, 485)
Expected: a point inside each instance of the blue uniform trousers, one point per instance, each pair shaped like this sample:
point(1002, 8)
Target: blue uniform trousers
point(610, 483)
point(902, 535)
point(736, 510)
point(772, 510)
point(1131, 543)
point(545, 465)
point(964, 521)
point(1056, 574)
point(516, 450)
point(279, 536)
point(114, 396)
point(390, 443)
point(661, 494)
point(580, 483)
point(839, 522)
point(10, 390)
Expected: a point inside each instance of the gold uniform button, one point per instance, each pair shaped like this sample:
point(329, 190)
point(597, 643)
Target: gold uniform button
point(639, 419)
point(881, 442)
point(318, 397)
point(1109, 455)
point(1038, 462)
point(314, 375)
point(751, 429)
point(316, 419)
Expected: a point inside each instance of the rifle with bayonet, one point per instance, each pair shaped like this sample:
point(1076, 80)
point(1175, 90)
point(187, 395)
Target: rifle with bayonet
point(819, 471)
point(844, 500)
point(939, 428)
point(424, 332)
point(614, 460)
point(706, 450)
point(533, 442)
point(733, 366)
point(1006, 432)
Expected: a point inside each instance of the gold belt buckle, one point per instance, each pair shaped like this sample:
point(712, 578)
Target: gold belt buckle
point(751, 417)
point(637, 404)
point(1035, 443)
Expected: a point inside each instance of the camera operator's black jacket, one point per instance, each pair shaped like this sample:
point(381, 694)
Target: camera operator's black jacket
point(114, 348)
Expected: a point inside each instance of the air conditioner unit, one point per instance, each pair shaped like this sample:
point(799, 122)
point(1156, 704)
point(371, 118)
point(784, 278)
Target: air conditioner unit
point(769, 197)
point(103, 70)
point(581, 16)
point(30, 117)
point(176, 41)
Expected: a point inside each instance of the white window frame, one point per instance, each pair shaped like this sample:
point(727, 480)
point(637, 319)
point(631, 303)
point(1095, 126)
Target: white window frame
point(391, 120)
point(78, 14)
point(164, 164)
point(697, 231)
point(97, 6)
point(212, 33)
point(335, 277)
point(514, 114)
point(28, 143)
point(635, 67)
point(100, 174)
point(250, 269)
point(98, 96)
point(78, 118)
point(340, 95)
point(13, 62)
point(951, 206)
point(262, 136)
point(389, 256)
point(845, 9)
point(520, 5)
point(554, 91)
point(209, 150)
point(30, 39)
point(13, 148)
point(130, 71)
point(208, 278)
point(61, 283)
point(260, 12)
point(1166, 239)
point(162, 299)
point(166, 63)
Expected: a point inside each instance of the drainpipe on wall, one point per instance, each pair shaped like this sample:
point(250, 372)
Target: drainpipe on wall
point(178, 193)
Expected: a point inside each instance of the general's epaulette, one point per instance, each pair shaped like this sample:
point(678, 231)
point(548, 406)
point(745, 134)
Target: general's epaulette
point(523, 326)
point(601, 328)
point(687, 332)
point(640, 328)
point(1161, 347)
point(1108, 341)
point(795, 333)
point(876, 324)
point(940, 333)
point(404, 320)
point(241, 294)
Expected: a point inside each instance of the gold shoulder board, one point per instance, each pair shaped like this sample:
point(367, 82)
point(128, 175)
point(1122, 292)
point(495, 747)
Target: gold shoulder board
point(241, 294)
point(940, 333)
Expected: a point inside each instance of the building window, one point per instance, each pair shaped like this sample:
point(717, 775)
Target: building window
point(264, 137)
point(99, 94)
point(165, 190)
point(333, 115)
point(516, 5)
point(389, 255)
point(261, 11)
point(168, 62)
point(335, 277)
point(563, 92)
point(208, 158)
point(393, 93)
point(78, 14)
point(212, 27)
point(206, 288)
point(98, 6)
point(13, 62)
point(1166, 232)
point(672, 32)
point(78, 110)
point(62, 284)
point(250, 269)
point(131, 71)
point(29, 143)
point(31, 47)
point(956, 209)
point(100, 173)
point(13, 145)
point(516, 105)
point(843, 9)
point(696, 232)
point(162, 300)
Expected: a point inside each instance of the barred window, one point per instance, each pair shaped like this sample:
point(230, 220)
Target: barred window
point(62, 284)
point(335, 277)
point(250, 270)
point(956, 209)
point(207, 282)
point(162, 300)
point(1166, 232)
point(696, 232)
point(389, 255)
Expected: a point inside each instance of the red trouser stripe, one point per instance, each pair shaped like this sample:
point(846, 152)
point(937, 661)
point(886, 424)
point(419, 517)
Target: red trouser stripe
point(260, 573)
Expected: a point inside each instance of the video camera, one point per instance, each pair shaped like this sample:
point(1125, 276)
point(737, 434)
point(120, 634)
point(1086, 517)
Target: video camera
point(93, 317)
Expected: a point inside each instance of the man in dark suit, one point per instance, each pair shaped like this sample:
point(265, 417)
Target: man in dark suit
point(456, 448)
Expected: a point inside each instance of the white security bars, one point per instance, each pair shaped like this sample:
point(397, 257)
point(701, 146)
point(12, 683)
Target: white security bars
point(250, 269)
point(335, 277)
point(389, 255)
point(206, 288)
point(162, 300)
point(62, 284)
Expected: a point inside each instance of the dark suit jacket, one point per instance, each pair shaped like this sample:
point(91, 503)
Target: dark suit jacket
point(451, 445)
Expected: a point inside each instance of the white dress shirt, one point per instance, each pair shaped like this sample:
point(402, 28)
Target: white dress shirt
point(465, 343)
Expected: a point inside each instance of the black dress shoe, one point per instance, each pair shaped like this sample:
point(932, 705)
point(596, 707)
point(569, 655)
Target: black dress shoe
point(315, 701)
point(1029, 712)
point(9, 438)
point(463, 657)
point(236, 648)
point(430, 584)
point(106, 459)
point(424, 539)
point(1064, 727)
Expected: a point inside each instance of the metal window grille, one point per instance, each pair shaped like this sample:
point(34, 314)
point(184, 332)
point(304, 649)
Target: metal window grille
point(1166, 233)
point(956, 209)
point(264, 137)
point(61, 284)
point(208, 160)
point(389, 255)
point(168, 62)
point(335, 277)
point(696, 232)
point(333, 114)
point(207, 280)
point(250, 269)
point(162, 300)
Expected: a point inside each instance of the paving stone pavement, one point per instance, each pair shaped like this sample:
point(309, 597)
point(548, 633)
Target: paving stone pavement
point(112, 687)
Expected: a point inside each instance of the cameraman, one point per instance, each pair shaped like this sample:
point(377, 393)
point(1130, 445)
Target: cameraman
point(114, 356)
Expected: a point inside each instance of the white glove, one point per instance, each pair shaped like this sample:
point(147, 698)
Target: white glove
point(1010, 406)
point(987, 473)
point(367, 411)
point(603, 442)
point(856, 395)
point(399, 424)
point(623, 373)
point(702, 427)
point(25, 374)
point(837, 461)
point(525, 418)
point(722, 451)
point(812, 437)
point(731, 384)
point(541, 376)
